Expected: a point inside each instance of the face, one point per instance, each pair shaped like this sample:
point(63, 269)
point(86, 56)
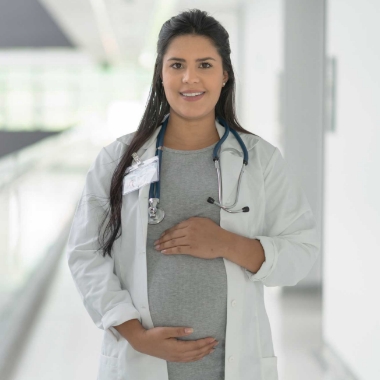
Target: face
point(192, 64)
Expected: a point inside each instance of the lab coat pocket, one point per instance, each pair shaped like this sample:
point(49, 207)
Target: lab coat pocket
point(108, 368)
point(269, 368)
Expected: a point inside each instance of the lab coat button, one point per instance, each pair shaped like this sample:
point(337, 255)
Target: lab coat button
point(233, 303)
point(142, 252)
point(231, 359)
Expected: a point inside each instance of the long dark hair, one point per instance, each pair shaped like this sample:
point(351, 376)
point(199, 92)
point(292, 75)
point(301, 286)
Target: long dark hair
point(194, 22)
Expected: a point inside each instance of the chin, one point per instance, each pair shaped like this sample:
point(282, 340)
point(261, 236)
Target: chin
point(193, 111)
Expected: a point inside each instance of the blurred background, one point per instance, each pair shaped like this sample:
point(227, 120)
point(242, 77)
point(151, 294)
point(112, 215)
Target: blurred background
point(74, 75)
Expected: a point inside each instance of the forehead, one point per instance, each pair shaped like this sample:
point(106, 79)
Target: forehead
point(190, 45)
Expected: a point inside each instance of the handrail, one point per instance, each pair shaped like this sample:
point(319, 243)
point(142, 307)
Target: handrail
point(15, 164)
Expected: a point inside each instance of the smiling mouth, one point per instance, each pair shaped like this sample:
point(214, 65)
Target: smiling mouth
point(191, 95)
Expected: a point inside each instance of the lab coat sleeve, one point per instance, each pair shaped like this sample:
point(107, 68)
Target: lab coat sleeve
point(99, 287)
point(291, 243)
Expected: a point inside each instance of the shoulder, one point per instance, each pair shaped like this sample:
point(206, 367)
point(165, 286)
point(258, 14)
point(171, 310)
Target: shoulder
point(126, 139)
point(99, 175)
point(260, 149)
point(109, 156)
point(117, 148)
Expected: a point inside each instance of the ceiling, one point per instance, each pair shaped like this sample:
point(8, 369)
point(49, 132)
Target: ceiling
point(117, 31)
point(25, 24)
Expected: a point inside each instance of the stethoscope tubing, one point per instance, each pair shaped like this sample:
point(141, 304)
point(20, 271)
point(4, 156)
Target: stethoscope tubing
point(154, 191)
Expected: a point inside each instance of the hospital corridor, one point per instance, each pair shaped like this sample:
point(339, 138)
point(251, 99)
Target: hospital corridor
point(80, 77)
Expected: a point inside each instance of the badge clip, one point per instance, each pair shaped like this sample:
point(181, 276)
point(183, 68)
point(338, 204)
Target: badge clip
point(136, 158)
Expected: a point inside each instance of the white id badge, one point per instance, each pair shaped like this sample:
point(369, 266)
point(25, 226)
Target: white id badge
point(141, 174)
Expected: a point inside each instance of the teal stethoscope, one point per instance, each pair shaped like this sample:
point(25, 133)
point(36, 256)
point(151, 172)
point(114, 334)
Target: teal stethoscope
point(155, 214)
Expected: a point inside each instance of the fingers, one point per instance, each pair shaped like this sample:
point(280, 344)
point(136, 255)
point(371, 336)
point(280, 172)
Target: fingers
point(196, 350)
point(193, 345)
point(200, 350)
point(200, 357)
point(202, 353)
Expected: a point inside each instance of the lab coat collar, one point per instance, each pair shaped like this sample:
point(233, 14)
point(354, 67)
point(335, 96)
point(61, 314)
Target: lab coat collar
point(230, 157)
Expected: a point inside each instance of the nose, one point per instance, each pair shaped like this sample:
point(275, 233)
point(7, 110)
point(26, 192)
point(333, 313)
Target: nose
point(190, 75)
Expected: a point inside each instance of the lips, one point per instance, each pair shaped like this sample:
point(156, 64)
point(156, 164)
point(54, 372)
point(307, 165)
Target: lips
point(192, 98)
point(192, 92)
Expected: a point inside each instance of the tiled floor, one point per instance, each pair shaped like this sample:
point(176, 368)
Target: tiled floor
point(64, 342)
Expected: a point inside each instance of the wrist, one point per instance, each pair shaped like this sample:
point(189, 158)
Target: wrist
point(131, 330)
point(229, 240)
point(138, 340)
point(246, 252)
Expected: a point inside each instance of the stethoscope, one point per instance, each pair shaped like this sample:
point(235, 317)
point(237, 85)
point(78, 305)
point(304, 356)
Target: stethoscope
point(155, 214)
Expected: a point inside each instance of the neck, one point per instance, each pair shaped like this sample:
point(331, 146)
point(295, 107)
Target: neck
point(190, 134)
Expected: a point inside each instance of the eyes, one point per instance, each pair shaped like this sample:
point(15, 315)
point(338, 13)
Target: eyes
point(203, 63)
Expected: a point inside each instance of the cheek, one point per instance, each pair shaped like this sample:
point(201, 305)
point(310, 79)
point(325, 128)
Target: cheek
point(172, 87)
point(214, 85)
point(214, 93)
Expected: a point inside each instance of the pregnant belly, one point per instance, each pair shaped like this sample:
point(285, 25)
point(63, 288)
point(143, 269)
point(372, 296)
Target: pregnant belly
point(191, 292)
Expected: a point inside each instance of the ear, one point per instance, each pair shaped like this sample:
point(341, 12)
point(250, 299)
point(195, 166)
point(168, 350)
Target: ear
point(225, 77)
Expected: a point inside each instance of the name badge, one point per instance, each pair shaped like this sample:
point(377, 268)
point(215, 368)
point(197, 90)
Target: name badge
point(141, 174)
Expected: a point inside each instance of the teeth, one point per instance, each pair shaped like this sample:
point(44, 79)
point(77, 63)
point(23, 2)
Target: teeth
point(193, 94)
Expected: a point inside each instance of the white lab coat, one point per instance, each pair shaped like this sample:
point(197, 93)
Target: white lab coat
point(114, 290)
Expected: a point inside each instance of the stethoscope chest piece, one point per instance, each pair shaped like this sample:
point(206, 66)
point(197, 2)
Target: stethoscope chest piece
point(155, 214)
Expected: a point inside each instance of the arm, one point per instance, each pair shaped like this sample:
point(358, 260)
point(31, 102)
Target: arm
point(246, 252)
point(99, 287)
point(291, 243)
point(131, 330)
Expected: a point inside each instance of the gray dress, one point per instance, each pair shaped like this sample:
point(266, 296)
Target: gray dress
point(184, 290)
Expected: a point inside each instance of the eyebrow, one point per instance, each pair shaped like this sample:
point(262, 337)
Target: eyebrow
point(184, 60)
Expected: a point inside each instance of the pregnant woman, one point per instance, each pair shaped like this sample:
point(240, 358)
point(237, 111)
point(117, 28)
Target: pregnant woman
point(210, 217)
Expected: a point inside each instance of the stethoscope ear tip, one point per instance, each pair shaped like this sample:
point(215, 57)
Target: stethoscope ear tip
point(210, 200)
point(245, 209)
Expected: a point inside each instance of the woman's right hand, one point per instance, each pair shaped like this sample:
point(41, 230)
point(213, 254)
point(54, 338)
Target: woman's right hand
point(162, 342)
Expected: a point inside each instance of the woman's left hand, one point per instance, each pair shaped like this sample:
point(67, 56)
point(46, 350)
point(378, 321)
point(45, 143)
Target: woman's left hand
point(196, 236)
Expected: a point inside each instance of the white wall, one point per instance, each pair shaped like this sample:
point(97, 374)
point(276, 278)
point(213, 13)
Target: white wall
point(304, 51)
point(351, 320)
point(281, 96)
point(260, 65)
